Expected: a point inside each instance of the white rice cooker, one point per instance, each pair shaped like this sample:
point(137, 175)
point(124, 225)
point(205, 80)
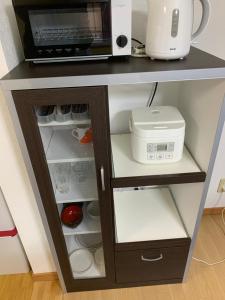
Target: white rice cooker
point(157, 134)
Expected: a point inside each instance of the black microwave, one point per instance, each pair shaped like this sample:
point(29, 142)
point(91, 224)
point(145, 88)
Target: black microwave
point(68, 30)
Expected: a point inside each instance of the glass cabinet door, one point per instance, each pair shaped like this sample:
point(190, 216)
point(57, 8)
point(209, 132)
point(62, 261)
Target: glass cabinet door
point(67, 137)
point(66, 140)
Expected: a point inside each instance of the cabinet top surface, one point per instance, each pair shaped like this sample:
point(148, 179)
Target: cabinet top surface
point(198, 65)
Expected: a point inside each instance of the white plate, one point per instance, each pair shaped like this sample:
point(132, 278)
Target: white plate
point(81, 260)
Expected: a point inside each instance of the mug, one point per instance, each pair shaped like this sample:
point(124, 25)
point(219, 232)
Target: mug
point(83, 134)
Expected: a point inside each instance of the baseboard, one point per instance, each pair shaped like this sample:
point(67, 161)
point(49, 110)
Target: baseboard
point(45, 276)
point(213, 211)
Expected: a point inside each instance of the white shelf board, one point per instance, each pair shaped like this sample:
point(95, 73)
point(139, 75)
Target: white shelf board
point(64, 148)
point(126, 166)
point(79, 192)
point(146, 215)
point(94, 271)
point(66, 123)
point(87, 226)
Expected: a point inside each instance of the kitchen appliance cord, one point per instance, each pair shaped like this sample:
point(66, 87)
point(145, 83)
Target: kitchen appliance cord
point(217, 262)
point(152, 95)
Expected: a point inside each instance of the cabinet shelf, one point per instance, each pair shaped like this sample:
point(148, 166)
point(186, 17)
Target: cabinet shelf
point(146, 215)
point(87, 226)
point(79, 192)
point(63, 148)
point(66, 123)
point(128, 172)
point(197, 65)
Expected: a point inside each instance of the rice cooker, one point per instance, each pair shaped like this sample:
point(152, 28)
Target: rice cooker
point(157, 134)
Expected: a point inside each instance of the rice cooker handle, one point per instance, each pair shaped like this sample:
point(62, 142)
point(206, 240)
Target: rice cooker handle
point(130, 125)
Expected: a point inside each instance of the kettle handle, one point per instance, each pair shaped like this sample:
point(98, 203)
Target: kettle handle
point(206, 8)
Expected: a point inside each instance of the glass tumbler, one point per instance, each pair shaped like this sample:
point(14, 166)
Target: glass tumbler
point(61, 174)
point(81, 170)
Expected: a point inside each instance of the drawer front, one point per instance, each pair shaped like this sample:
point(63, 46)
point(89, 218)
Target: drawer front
point(151, 264)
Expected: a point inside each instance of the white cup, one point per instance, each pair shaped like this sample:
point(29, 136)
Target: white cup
point(79, 132)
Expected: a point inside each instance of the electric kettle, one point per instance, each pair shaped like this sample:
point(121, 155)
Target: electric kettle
point(169, 27)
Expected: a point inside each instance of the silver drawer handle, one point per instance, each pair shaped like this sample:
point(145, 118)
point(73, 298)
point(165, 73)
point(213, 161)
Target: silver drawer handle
point(153, 259)
point(103, 178)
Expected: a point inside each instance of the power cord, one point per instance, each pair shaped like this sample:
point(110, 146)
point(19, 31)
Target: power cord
point(152, 95)
point(138, 50)
point(217, 262)
point(137, 41)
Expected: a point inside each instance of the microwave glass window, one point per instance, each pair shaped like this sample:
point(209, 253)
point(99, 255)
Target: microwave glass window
point(80, 26)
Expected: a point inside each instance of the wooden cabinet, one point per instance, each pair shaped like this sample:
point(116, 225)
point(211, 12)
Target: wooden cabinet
point(152, 264)
point(140, 237)
point(149, 215)
point(69, 171)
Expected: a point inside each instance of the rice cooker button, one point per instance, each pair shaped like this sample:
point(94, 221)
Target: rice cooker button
point(171, 147)
point(150, 148)
point(169, 156)
point(151, 156)
point(160, 156)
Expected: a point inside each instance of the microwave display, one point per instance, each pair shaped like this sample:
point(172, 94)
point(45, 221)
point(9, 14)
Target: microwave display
point(56, 27)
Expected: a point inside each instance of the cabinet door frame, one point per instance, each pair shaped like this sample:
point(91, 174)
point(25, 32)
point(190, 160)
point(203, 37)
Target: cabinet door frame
point(97, 99)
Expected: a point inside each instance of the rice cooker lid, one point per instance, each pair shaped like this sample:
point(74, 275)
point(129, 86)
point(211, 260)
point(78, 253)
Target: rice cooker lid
point(157, 120)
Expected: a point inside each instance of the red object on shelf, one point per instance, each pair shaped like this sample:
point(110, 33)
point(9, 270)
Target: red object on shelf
point(8, 233)
point(88, 137)
point(72, 215)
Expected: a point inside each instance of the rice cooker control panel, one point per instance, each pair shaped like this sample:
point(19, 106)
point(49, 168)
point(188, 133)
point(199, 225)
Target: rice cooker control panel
point(160, 151)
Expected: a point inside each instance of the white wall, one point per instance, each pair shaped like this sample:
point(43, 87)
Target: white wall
point(213, 41)
point(9, 36)
point(13, 176)
point(124, 98)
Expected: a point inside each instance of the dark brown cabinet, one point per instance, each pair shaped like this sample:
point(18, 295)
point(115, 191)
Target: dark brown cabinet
point(151, 263)
point(149, 216)
point(66, 132)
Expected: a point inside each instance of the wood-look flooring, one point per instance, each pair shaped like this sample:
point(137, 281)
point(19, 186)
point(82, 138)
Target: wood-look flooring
point(204, 282)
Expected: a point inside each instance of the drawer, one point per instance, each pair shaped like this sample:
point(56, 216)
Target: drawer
point(151, 264)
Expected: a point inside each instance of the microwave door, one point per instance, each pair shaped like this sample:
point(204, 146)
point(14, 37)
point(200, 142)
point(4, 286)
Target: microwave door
point(82, 30)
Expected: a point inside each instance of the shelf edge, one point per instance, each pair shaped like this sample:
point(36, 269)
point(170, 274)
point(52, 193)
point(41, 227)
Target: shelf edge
point(122, 182)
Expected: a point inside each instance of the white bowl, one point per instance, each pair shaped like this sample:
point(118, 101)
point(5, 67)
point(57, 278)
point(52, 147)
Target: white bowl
point(92, 210)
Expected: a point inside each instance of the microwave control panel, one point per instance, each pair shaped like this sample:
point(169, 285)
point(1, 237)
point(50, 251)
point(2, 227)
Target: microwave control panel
point(160, 151)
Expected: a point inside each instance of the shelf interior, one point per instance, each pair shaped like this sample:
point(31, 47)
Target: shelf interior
point(87, 226)
point(81, 189)
point(63, 147)
point(79, 192)
point(125, 166)
point(95, 271)
point(146, 215)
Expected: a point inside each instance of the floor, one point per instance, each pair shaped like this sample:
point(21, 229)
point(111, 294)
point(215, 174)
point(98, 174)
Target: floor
point(204, 282)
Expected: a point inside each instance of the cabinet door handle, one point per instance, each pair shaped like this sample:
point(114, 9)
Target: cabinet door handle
point(153, 259)
point(103, 178)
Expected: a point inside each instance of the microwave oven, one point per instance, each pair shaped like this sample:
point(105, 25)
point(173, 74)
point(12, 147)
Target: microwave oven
point(70, 30)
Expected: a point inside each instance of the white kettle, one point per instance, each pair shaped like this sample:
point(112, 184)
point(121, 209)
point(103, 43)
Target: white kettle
point(169, 28)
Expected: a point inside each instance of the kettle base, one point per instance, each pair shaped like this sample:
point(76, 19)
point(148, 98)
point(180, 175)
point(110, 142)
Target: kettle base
point(167, 59)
